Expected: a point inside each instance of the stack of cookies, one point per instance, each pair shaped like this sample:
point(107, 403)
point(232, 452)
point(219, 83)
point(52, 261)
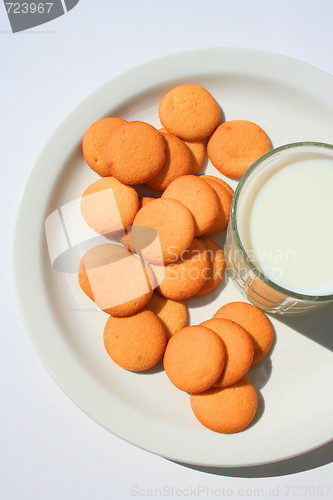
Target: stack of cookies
point(164, 244)
point(210, 362)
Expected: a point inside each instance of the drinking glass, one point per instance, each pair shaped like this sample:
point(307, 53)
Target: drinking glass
point(241, 266)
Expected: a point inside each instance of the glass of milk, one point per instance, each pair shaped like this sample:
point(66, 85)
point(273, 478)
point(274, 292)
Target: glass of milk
point(279, 248)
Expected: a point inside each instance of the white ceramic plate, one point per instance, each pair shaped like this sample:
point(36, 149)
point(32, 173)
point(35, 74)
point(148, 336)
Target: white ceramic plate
point(292, 102)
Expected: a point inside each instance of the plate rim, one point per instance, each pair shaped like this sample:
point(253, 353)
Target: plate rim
point(34, 247)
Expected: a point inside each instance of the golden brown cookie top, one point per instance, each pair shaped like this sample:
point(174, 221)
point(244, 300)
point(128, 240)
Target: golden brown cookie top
point(135, 152)
point(235, 145)
point(173, 224)
point(194, 358)
point(135, 343)
point(190, 112)
point(227, 410)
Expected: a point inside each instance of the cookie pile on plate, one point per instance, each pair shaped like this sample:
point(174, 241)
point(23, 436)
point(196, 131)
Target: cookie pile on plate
point(164, 253)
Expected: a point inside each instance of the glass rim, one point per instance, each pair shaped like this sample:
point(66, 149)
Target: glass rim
point(233, 221)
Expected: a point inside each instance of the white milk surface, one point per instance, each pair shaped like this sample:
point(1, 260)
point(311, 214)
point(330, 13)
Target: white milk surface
point(290, 226)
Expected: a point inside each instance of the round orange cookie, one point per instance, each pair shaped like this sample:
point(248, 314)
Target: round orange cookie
point(198, 197)
point(135, 343)
point(178, 162)
point(227, 410)
point(185, 277)
point(194, 358)
point(109, 206)
point(174, 225)
point(172, 313)
point(216, 267)
point(135, 152)
point(239, 346)
point(118, 282)
point(190, 112)
point(94, 143)
point(254, 321)
point(223, 216)
point(235, 145)
point(220, 181)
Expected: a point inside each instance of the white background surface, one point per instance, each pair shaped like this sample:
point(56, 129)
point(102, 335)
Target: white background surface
point(49, 449)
